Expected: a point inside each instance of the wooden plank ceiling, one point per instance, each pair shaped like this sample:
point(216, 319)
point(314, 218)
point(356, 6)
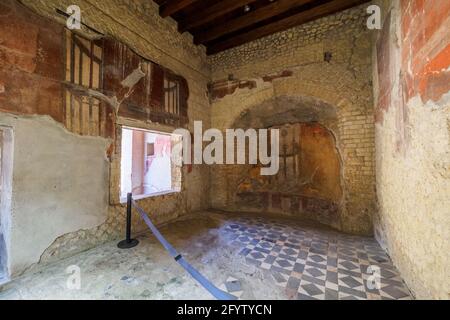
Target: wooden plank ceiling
point(223, 24)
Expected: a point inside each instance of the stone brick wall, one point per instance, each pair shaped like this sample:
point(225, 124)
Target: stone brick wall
point(412, 99)
point(291, 65)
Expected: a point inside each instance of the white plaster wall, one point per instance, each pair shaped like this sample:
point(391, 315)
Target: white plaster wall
point(5, 200)
point(60, 185)
point(413, 178)
point(414, 197)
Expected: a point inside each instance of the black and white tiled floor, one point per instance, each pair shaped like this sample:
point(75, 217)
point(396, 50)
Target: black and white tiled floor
point(315, 263)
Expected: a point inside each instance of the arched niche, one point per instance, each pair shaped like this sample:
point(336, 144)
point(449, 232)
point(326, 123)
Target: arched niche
point(309, 182)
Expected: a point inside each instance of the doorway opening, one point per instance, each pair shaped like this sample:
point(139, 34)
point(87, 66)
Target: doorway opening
point(6, 159)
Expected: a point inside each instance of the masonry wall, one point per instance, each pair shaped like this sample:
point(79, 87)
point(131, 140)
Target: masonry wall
point(31, 74)
point(289, 68)
point(412, 99)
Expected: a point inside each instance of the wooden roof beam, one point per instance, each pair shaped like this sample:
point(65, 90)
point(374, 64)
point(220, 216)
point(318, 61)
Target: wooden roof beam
point(269, 11)
point(220, 8)
point(283, 24)
point(171, 7)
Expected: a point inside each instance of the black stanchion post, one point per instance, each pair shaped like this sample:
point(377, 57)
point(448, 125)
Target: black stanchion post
point(128, 242)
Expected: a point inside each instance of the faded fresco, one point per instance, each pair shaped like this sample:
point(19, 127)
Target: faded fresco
point(309, 179)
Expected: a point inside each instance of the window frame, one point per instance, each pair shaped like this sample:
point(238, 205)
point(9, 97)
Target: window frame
point(174, 189)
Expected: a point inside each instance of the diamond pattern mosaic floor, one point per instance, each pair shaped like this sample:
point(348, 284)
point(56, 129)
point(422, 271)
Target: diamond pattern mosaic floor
point(311, 263)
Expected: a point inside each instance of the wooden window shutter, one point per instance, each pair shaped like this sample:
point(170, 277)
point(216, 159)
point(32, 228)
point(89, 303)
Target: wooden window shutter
point(184, 96)
point(157, 87)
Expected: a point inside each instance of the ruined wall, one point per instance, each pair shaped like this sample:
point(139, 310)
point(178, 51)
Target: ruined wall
point(59, 185)
point(289, 68)
point(412, 99)
point(32, 86)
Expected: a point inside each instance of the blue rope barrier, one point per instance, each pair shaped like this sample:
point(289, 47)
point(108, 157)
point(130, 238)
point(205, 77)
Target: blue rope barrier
point(216, 292)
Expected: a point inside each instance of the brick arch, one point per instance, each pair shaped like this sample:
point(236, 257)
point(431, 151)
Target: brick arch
point(328, 120)
point(340, 89)
point(285, 109)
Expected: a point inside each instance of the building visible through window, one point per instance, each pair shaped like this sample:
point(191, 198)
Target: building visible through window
point(146, 166)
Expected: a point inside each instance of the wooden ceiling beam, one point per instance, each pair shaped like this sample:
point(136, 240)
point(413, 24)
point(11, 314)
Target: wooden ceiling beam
point(220, 8)
point(171, 7)
point(286, 23)
point(266, 12)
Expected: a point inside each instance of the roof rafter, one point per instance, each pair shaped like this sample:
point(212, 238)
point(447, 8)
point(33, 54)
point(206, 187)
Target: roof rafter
point(252, 17)
point(283, 24)
point(171, 7)
point(221, 8)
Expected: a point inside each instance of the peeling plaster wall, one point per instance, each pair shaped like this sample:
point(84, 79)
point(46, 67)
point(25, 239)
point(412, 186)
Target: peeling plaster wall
point(412, 99)
point(137, 24)
point(7, 142)
point(59, 185)
point(290, 66)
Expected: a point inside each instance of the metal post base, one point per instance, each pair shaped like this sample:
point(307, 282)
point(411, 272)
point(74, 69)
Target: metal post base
point(124, 244)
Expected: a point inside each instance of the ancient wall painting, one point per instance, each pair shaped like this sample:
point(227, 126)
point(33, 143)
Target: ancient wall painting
point(308, 182)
